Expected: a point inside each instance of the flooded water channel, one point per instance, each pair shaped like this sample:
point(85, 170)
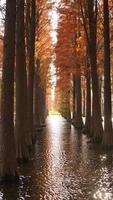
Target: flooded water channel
point(64, 167)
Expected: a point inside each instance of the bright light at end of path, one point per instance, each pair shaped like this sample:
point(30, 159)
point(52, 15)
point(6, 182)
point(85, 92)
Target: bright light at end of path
point(53, 81)
point(54, 24)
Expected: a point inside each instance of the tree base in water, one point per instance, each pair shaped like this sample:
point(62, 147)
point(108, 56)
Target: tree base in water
point(22, 160)
point(78, 127)
point(107, 147)
point(85, 131)
point(39, 128)
point(97, 140)
point(43, 125)
point(9, 179)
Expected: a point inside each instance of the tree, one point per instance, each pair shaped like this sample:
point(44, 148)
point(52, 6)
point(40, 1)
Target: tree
point(108, 132)
point(39, 101)
point(87, 127)
point(8, 167)
point(43, 59)
point(97, 128)
point(21, 87)
point(31, 68)
point(77, 120)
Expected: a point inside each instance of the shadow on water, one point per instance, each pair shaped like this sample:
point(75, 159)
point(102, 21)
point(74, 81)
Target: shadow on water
point(64, 167)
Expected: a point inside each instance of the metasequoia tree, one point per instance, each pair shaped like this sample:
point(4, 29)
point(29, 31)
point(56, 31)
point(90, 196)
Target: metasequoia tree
point(91, 36)
point(21, 86)
point(87, 126)
point(39, 100)
point(1, 50)
point(8, 167)
point(31, 67)
point(83, 12)
point(102, 51)
point(108, 132)
point(65, 55)
point(43, 59)
point(64, 98)
point(77, 76)
point(68, 56)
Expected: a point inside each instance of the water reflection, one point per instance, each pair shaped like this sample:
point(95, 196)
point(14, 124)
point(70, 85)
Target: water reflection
point(64, 167)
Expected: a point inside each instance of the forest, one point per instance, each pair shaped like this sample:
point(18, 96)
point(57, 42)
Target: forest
point(56, 57)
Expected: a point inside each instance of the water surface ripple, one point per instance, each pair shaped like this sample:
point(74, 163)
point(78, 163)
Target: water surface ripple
point(64, 167)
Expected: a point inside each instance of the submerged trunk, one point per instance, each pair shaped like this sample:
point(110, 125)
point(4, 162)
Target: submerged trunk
point(8, 168)
point(108, 132)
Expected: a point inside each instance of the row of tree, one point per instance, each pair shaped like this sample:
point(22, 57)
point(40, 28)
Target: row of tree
point(23, 95)
point(84, 66)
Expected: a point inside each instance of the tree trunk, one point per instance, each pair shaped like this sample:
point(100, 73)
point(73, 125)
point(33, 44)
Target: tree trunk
point(37, 114)
point(77, 121)
point(73, 99)
point(39, 101)
point(97, 129)
point(31, 68)
point(21, 86)
point(8, 167)
point(108, 132)
point(87, 126)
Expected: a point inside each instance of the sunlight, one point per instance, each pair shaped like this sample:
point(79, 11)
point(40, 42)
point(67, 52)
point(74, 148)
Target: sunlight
point(2, 1)
point(102, 195)
point(55, 158)
point(54, 23)
point(104, 190)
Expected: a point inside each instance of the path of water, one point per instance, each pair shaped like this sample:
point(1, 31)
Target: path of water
point(64, 167)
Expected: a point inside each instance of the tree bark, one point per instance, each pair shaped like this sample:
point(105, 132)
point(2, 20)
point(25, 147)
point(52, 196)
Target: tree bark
point(21, 87)
point(97, 129)
point(73, 98)
point(39, 101)
point(31, 68)
point(87, 127)
point(77, 121)
point(108, 131)
point(8, 167)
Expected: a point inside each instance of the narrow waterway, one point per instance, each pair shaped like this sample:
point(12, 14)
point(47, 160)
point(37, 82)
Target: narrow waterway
point(64, 167)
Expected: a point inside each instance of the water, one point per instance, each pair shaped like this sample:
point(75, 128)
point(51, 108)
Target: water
point(64, 167)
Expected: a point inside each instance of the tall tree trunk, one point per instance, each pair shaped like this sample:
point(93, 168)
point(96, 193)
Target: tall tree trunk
point(31, 68)
point(87, 126)
point(97, 128)
point(108, 132)
point(77, 121)
point(73, 99)
point(37, 118)
point(83, 97)
point(21, 86)
point(8, 167)
point(39, 101)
